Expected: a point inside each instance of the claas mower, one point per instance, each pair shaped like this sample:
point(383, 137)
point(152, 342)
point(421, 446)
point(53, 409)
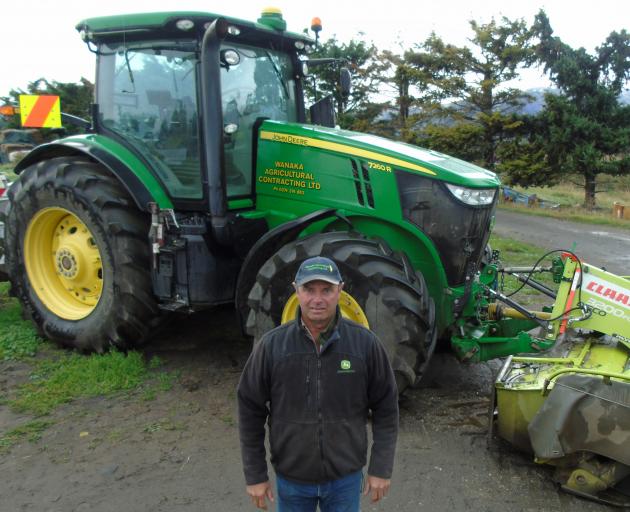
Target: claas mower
point(568, 401)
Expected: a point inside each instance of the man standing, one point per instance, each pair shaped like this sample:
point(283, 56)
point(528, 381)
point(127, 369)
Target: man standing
point(314, 380)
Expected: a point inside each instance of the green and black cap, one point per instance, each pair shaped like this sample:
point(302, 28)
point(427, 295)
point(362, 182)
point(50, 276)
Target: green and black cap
point(318, 269)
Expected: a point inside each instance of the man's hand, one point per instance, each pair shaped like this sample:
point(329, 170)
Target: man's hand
point(259, 492)
point(376, 487)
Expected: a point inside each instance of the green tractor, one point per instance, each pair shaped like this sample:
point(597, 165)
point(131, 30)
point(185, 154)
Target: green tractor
point(200, 182)
point(203, 179)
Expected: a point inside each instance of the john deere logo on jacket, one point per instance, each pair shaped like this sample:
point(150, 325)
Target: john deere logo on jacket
point(345, 367)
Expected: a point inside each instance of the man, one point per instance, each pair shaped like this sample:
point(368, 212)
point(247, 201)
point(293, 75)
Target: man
point(314, 380)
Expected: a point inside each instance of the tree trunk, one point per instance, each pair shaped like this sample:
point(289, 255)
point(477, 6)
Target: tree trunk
point(487, 93)
point(489, 149)
point(590, 182)
point(403, 95)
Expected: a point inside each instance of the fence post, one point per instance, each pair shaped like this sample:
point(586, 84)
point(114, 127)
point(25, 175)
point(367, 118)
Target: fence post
point(618, 209)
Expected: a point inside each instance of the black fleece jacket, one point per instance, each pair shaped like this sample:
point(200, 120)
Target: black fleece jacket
point(317, 405)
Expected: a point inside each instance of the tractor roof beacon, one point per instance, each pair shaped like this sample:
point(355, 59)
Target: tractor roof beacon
point(204, 179)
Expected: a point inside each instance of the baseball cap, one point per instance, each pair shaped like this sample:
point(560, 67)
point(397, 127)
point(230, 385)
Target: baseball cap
point(318, 269)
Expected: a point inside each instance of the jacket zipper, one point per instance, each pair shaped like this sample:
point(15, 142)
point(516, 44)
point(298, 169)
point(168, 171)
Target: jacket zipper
point(320, 429)
point(319, 413)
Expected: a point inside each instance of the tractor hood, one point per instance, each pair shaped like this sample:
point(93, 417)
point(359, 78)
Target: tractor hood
point(393, 155)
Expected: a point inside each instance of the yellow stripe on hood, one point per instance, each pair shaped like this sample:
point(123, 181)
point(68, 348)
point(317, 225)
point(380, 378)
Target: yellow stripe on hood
point(341, 148)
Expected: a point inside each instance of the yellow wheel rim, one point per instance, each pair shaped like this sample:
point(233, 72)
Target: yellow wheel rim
point(63, 263)
point(349, 307)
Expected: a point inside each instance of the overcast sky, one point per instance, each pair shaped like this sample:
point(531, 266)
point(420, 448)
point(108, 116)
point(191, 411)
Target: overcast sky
point(38, 39)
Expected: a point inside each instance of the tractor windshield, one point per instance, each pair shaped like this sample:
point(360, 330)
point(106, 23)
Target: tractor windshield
point(259, 83)
point(148, 96)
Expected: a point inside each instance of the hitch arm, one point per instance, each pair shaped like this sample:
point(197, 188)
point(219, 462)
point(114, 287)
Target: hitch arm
point(535, 285)
point(527, 314)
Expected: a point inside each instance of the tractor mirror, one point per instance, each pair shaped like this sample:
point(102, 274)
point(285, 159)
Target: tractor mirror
point(345, 81)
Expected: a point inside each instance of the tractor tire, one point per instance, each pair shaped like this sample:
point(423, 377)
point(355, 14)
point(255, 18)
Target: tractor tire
point(393, 297)
point(78, 255)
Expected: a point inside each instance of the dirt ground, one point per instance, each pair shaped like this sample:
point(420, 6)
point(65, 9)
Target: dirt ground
point(180, 451)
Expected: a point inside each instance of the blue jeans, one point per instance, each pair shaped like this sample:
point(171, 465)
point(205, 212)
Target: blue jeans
point(340, 495)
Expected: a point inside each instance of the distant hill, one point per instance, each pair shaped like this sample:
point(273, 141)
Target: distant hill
point(534, 106)
point(531, 107)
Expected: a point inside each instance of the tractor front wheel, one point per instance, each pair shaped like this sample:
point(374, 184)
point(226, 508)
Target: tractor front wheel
point(78, 255)
point(381, 291)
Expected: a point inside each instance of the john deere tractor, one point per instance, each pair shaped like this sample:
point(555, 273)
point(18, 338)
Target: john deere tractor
point(204, 179)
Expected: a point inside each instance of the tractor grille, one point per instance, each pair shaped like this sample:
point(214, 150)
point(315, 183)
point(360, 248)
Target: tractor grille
point(362, 182)
point(459, 232)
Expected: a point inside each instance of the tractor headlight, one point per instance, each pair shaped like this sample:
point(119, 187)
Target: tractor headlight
point(472, 196)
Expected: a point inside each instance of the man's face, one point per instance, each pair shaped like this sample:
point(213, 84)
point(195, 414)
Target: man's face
point(318, 301)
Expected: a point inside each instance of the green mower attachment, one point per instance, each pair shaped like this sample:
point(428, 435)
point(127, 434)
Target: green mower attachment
point(569, 403)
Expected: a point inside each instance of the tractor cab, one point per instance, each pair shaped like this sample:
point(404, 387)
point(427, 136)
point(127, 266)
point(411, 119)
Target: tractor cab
point(186, 92)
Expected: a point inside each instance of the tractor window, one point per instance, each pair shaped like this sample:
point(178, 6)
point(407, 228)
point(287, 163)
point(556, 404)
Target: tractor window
point(260, 85)
point(148, 96)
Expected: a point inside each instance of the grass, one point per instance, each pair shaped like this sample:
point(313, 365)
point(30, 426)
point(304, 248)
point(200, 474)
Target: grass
point(60, 376)
point(63, 377)
point(72, 376)
point(31, 431)
point(162, 382)
point(575, 214)
point(570, 197)
point(568, 194)
point(515, 253)
point(18, 339)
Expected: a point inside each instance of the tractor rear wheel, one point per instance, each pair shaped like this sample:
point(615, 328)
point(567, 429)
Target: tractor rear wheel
point(383, 292)
point(78, 255)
